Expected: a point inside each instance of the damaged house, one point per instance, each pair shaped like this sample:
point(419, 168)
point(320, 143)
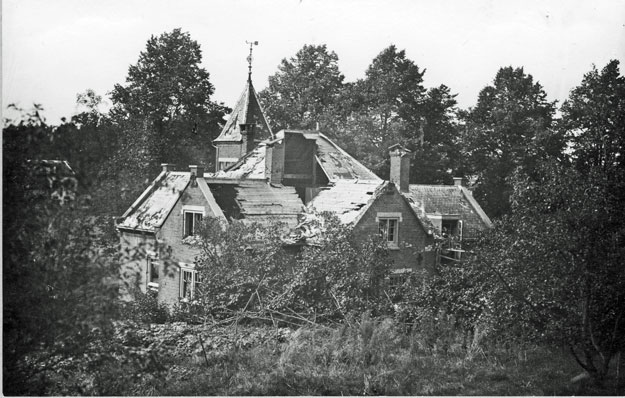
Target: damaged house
point(265, 177)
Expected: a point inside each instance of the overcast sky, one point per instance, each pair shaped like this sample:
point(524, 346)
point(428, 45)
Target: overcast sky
point(54, 49)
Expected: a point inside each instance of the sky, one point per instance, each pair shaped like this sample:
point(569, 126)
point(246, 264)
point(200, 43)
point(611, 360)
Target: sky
point(55, 49)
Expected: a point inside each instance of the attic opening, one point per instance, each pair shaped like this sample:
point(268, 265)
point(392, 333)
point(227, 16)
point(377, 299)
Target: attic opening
point(225, 196)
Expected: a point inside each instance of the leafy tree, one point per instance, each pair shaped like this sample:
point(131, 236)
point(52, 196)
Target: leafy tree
point(435, 140)
point(167, 93)
point(381, 109)
point(509, 127)
point(554, 263)
point(59, 291)
point(305, 87)
point(593, 118)
point(391, 105)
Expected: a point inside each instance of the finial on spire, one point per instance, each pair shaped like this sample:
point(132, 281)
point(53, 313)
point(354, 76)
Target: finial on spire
point(249, 59)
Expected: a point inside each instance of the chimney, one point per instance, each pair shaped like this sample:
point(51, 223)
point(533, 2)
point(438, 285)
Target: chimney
point(274, 161)
point(197, 171)
point(458, 181)
point(247, 137)
point(400, 167)
point(168, 167)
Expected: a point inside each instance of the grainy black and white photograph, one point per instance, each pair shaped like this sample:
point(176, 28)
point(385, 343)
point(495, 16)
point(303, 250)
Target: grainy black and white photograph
point(313, 197)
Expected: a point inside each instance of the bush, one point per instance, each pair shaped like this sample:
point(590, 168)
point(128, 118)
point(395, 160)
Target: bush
point(146, 309)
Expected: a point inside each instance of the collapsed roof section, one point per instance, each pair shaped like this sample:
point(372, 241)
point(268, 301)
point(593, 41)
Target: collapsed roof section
point(268, 203)
point(335, 163)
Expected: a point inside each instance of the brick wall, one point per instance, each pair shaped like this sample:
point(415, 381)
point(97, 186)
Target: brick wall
point(170, 236)
point(412, 238)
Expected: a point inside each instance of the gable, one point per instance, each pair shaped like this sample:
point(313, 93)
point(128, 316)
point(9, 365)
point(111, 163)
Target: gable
point(390, 201)
point(442, 200)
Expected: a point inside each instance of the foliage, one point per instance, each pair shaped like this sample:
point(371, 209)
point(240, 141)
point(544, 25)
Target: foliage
point(555, 267)
point(509, 127)
point(245, 267)
point(304, 87)
point(146, 308)
point(59, 291)
point(594, 118)
point(391, 105)
point(362, 356)
point(164, 111)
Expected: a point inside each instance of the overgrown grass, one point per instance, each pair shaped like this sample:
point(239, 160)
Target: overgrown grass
point(364, 357)
point(370, 357)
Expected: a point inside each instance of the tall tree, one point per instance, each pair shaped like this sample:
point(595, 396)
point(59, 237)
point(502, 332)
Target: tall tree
point(304, 87)
point(435, 140)
point(509, 127)
point(168, 93)
point(391, 105)
point(593, 118)
point(554, 264)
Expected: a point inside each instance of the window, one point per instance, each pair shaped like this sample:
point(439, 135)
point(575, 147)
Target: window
point(389, 230)
point(192, 220)
point(186, 283)
point(189, 280)
point(451, 250)
point(153, 268)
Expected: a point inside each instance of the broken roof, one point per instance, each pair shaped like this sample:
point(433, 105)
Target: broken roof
point(348, 199)
point(263, 202)
point(250, 166)
point(448, 200)
point(335, 162)
point(338, 164)
point(151, 209)
point(246, 111)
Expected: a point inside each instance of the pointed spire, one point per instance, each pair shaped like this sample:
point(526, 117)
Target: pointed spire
point(247, 111)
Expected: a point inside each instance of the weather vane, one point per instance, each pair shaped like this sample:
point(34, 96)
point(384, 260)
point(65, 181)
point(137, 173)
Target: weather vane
point(249, 58)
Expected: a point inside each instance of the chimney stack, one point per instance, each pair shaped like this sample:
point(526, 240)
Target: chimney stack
point(400, 167)
point(197, 171)
point(274, 161)
point(168, 167)
point(458, 181)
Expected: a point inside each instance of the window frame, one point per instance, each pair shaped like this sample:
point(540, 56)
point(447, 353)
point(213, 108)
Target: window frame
point(196, 211)
point(193, 280)
point(386, 218)
point(152, 260)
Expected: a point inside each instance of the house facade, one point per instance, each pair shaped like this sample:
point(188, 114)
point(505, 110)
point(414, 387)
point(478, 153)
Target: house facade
point(266, 178)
